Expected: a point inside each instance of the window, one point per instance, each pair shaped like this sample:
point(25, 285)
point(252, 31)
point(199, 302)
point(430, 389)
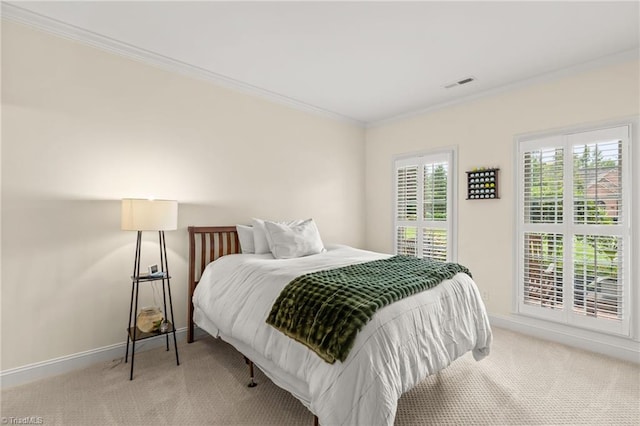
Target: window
point(423, 206)
point(574, 233)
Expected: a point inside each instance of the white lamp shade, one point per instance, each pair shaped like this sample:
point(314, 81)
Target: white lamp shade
point(149, 215)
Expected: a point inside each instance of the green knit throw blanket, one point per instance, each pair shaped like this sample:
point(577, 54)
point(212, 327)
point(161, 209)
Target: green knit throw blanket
point(325, 310)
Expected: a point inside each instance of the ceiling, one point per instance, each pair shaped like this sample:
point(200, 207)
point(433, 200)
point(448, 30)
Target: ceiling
point(363, 61)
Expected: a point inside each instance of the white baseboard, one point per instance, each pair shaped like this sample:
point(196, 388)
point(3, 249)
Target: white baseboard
point(53, 367)
point(617, 347)
point(621, 348)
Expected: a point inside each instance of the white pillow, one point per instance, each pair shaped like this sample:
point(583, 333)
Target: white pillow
point(281, 222)
point(297, 240)
point(260, 243)
point(261, 238)
point(245, 235)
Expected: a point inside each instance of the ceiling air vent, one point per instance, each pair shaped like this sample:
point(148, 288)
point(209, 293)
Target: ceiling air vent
point(460, 82)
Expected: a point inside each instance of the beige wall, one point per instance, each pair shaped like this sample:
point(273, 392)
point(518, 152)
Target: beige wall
point(483, 131)
point(83, 128)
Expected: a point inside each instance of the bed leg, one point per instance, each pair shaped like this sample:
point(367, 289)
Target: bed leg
point(315, 420)
point(252, 383)
point(190, 334)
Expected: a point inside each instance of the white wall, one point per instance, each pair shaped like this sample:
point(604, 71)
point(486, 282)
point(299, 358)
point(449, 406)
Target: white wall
point(483, 131)
point(83, 128)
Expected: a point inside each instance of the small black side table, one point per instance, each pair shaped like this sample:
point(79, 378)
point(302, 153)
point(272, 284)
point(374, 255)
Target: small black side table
point(134, 333)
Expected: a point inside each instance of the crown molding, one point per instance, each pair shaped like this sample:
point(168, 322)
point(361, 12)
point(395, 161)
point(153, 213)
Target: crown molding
point(627, 55)
point(14, 13)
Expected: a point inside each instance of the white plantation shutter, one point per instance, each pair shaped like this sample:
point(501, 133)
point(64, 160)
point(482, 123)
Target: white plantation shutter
point(423, 206)
point(543, 185)
point(407, 240)
point(599, 284)
point(601, 288)
point(573, 237)
point(435, 178)
point(597, 183)
point(435, 244)
point(407, 194)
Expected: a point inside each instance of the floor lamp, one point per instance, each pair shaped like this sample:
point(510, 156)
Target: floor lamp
point(149, 215)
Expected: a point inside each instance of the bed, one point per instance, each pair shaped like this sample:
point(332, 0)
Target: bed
point(231, 295)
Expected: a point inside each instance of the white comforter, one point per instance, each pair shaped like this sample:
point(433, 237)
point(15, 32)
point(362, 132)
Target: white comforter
point(402, 344)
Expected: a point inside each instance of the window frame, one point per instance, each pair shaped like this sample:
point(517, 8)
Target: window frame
point(448, 154)
point(567, 138)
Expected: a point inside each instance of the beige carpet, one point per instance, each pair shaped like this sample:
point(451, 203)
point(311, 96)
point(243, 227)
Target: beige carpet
point(524, 381)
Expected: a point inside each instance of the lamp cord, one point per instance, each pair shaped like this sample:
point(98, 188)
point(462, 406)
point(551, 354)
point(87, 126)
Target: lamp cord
point(154, 291)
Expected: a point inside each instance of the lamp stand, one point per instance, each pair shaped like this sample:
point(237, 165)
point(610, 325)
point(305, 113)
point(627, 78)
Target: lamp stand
point(134, 333)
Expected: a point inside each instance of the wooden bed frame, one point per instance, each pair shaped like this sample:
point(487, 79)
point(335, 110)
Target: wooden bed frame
point(206, 244)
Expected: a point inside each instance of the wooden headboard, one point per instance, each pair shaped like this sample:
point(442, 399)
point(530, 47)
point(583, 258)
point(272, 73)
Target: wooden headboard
point(206, 244)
